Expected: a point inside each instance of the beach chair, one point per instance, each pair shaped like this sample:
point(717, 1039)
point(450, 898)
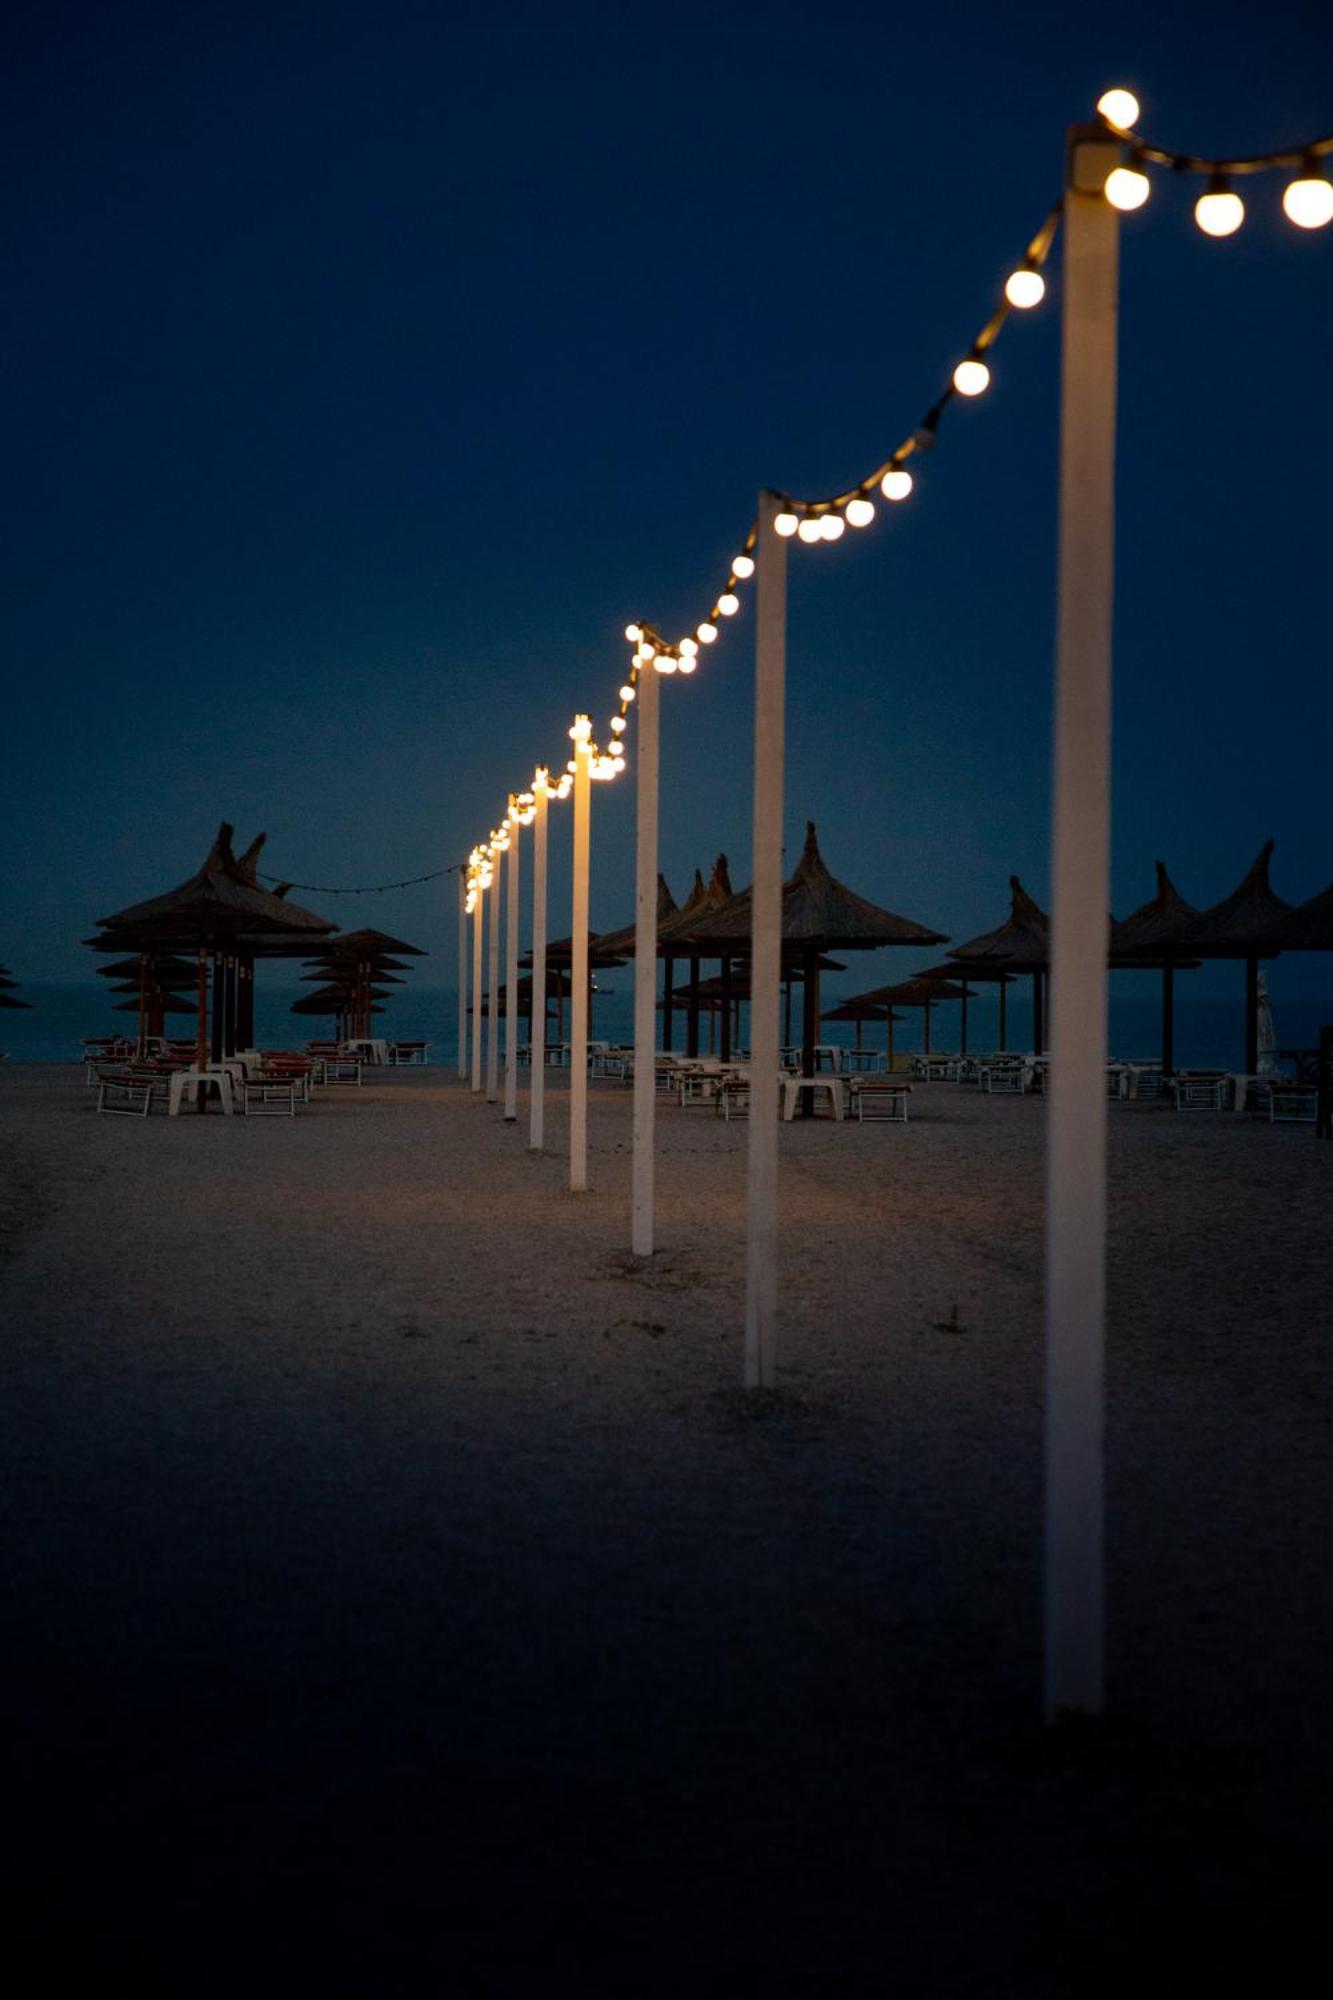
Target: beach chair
point(1292, 1104)
point(1003, 1079)
point(267, 1093)
point(1199, 1093)
point(877, 1098)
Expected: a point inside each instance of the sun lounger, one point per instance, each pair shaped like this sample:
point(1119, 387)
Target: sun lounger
point(877, 1098)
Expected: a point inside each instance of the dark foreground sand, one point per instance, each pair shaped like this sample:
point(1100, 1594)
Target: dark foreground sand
point(403, 1598)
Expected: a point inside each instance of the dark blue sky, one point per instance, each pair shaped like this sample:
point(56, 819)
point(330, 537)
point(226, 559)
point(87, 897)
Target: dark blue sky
point(367, 368)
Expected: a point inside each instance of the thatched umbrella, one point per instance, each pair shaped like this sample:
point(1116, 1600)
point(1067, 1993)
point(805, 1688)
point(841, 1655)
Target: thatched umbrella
point(221, 911)
point(8, 988)
point(1020, 944)
point(730, 989)
point(819, 914)
point(1242, 926)
point(671, 928)
point(862, 1011)
point(1151, 936)
point(359, 961)
point(943, 977)
point(921, 992)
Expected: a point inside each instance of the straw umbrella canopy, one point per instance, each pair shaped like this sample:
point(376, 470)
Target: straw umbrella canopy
point(1020, 944)
point(920, 992)
point(1242, 926)
point(624, 939)
point(357, 962)
point(220, 908)
point(1305, 927)
point(862, 1011)
point(1152, 936)
point(1002, 981)
point(819, 914)
point(8, 987)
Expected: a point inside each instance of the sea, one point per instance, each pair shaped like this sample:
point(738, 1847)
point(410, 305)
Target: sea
point(1210, 1032)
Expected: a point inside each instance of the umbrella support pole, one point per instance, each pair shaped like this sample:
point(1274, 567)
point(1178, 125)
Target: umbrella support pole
point(537, 1003)
point(1080, 875)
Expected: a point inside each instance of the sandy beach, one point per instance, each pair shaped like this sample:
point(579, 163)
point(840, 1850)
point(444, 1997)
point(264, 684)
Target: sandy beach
point(404, 1596)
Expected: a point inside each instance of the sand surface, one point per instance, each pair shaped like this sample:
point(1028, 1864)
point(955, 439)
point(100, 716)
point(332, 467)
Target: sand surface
point(402, 1596)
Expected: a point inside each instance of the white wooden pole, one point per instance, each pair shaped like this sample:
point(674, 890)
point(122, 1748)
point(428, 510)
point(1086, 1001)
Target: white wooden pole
point(478, 918)
point(537, 1036)
point(493, 983)
point(462, 972)
point(578, 975)
point(647, 712)
point(1080, 899)
point(511, 973)
point(770, 668)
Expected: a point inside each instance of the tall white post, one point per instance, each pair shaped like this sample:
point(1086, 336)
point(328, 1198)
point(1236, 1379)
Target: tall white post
point(478, 919)
point(646, 711)
point(493, 983)
point(462, 972)
point(511, 972)
point(770, 673)
point(537, 1036)
point(1080, 899)
point(578, 972)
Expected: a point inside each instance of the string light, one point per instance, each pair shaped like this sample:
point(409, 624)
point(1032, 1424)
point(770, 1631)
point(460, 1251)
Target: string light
point(1119, 107)
point(1126, 188)
point(1025, 288)
point(1219, 211)
point(1308, 201)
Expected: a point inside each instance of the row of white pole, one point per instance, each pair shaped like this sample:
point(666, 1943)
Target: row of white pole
point(1076, 1127)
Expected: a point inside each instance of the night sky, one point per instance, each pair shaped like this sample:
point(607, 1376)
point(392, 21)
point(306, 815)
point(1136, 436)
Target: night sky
point(368, 368)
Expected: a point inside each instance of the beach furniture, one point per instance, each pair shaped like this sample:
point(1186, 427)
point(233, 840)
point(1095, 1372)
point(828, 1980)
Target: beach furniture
point(401, 1053)
point(261, 1093)
point(813, 1088)
point(880, 1098)
point(1204, 1092)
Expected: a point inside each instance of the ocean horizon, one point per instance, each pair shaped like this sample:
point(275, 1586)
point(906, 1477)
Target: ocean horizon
point(1210, 1031)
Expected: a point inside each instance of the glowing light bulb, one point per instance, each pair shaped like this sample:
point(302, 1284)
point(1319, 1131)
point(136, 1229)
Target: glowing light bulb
point(831, 527)
point(785, 524)
point(687, 663)
point(1219, 211)
point(627, 692)
point(633, 633)
point(728, 604)
point(860, 513)
point(1126, 188)
point(618, 724)
point(810, 530)
point(706, 632)
point(1308, 202)
point(970, 377)
point(1025, 288)
point(687, 648)
point(571, 766)
point(665, 664)
point(742, 566)
point(896, 484)
point(1120, 108)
